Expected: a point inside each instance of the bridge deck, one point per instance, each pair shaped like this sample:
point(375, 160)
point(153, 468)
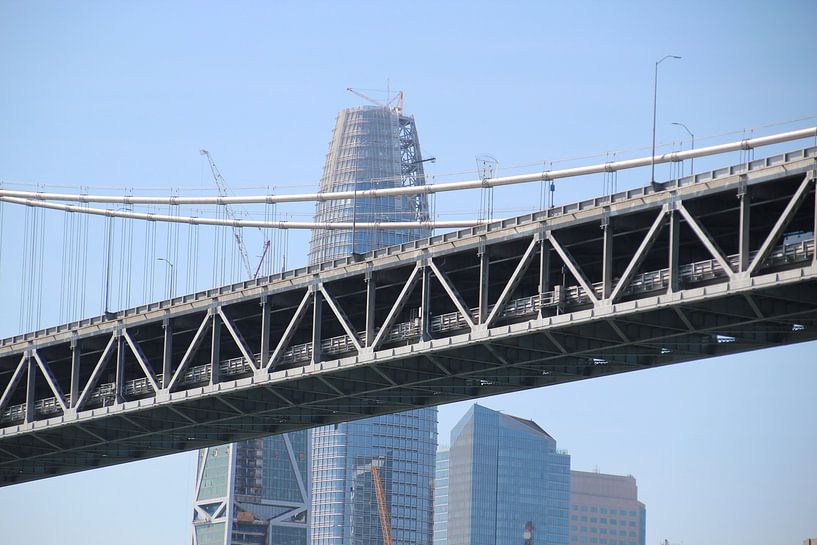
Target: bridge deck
point(713, 264)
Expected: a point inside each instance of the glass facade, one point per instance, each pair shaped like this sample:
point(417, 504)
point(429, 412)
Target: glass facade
point(344, 503)
point(372, 148)
point(441, 499)
point(254, 492)
point(507, 483)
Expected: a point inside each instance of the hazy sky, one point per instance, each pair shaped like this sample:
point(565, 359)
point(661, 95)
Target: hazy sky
point(123, 95)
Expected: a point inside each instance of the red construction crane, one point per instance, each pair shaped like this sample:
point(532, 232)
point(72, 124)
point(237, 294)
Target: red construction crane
point(385, 526)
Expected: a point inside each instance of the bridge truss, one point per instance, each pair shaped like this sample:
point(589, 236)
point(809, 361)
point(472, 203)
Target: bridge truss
point(714, 264)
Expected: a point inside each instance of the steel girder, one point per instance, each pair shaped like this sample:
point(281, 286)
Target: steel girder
point(630, 283)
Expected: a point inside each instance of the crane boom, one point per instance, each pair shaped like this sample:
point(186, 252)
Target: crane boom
point(385, 526)
point(222, 189)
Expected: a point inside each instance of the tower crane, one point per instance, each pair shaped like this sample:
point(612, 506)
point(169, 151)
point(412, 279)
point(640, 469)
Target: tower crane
point(385, 526)
point(237, 233)
point(397, 100)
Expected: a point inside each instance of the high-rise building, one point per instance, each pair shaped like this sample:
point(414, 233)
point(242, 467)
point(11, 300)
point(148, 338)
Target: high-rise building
point(441, 498)
point(372, 147)
point(507, 483)
point(253, 492)
point(604, 510)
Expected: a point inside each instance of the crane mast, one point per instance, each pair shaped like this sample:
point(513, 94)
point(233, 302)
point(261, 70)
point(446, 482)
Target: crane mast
point(385, 526)
point(222, 189)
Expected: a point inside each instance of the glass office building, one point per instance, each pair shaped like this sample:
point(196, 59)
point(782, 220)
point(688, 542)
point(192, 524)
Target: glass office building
point(441, 498)
point(372, 147)
point(507, 483)
point(253, 493)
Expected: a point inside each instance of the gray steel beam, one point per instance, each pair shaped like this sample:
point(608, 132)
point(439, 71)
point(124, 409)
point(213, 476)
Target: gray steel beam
point(484, 272)
point(781, 223)
point(640, 254)
point(342, 318)
point(265, 330)
point(317, 318)
point(744, 229)
point(371, 289)
point(119, 379)
point(50, 380)
point(76, 354)
point(425, 303)
point(453, 294)
point(238, 338)
point(215, 347)
point(674, 246)
point(607, 257)
point(396, 308)
point(707, 241)
point(22, 367)
point(167, 352)
point(198, 337)
point(292, 326)
point(31, 392)
point(568, 261)
point(513, 282)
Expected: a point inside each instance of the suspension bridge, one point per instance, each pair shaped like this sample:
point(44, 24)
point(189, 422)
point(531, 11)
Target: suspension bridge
point(715, 263)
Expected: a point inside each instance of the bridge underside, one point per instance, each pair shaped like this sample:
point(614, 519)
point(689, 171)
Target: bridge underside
point(703, 267)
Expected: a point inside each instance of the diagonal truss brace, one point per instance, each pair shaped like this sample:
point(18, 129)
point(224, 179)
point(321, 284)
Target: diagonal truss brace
point(342, 317)
point(237, 337)
point(640, 254)
point(452, 293)
point(49, 378)
point(22, 367)
point(703, 236)
point(290, 330)
point(781, 223)
point(96, 373)
point(573, 268)
point(188, 355)
point(396, 308)
point(142, 360)
point(521, 267)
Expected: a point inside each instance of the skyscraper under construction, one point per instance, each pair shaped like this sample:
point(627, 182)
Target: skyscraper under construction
point(281, 490)
point(372, 147)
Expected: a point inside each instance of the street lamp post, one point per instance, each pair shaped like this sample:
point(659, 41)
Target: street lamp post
point(172, 267)
point(654, 110)
point(692, 160)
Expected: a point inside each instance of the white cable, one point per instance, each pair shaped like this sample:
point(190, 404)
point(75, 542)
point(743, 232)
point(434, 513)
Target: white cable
point(675, 156)
point(449, 224)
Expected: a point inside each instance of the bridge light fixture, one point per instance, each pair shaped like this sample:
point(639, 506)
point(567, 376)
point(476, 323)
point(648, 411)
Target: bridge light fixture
point(654, 110)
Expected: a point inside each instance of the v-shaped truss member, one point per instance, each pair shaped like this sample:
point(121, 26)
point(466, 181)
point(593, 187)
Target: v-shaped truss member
point(452, 292)
point(96, 373)
point(21, 368)
point(704, 237)
point(290, 330)
point(514, 280)
point(396, 308)
point(782, 222)
point(188, 354)
point(49, 378)
point(342, 318)
point(142, 361)
point(235, 333)
point(640, 254)
point(567, 259)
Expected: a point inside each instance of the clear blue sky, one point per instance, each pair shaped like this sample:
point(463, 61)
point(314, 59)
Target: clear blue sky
point(124, 94)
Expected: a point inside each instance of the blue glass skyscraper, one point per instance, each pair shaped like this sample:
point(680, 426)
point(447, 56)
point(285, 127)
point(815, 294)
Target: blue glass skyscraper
point(507, 483)
point(372, 147)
